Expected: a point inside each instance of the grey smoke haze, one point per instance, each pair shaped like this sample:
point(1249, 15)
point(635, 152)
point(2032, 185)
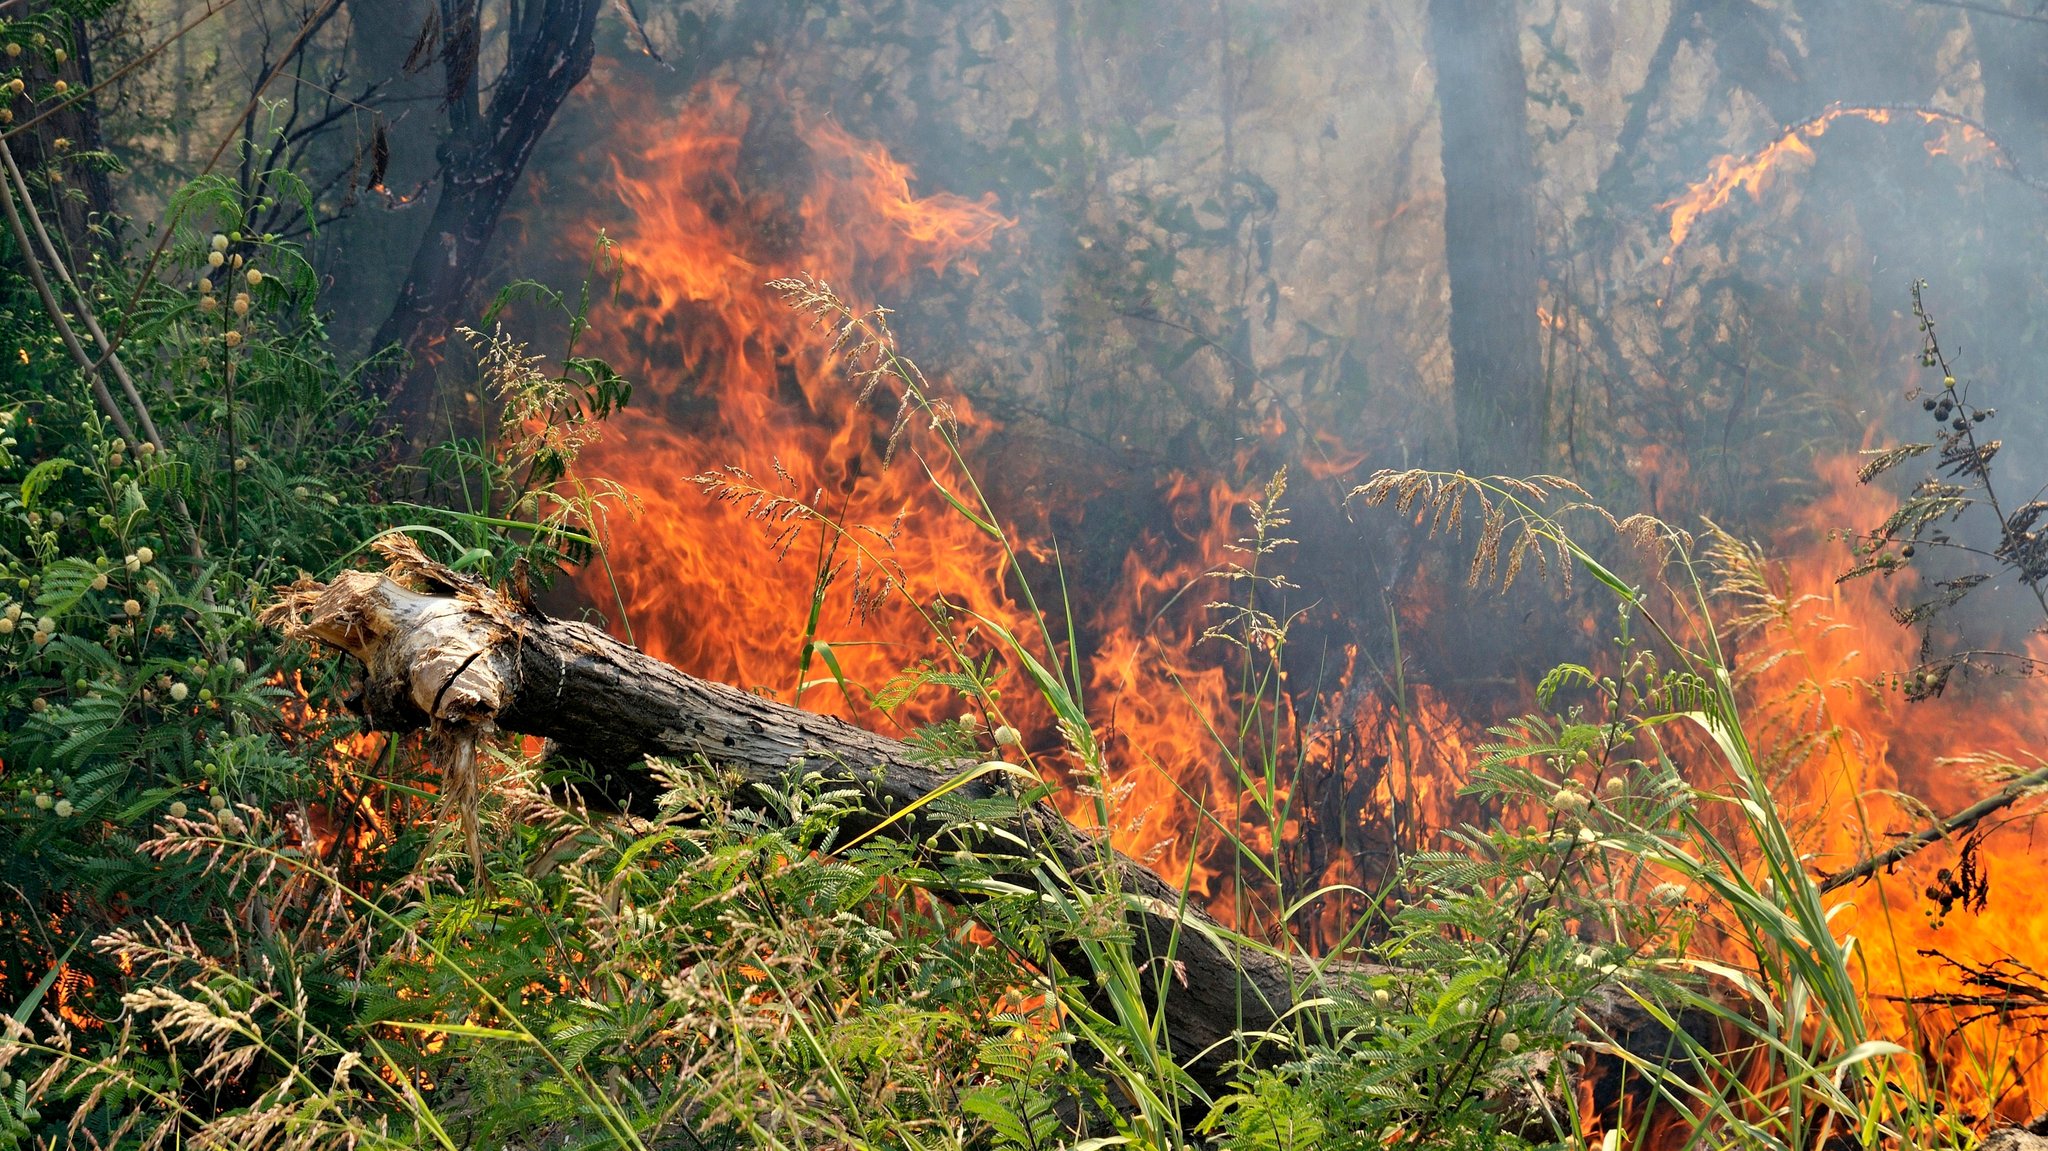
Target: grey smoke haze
point(1271, 176)
point(1233, 216)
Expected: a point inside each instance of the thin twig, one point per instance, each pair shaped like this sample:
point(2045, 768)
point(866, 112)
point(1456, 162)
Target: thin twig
point(314, 23)
point(1987, 10)
point(10, 184)
point(85, 314)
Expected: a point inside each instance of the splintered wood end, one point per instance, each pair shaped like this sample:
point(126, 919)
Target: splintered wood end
point(424, 633)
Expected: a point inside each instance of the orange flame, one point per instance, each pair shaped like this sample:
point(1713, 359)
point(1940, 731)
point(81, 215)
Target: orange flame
point(1753, 173)
point(735, 377)
point(1881, 759)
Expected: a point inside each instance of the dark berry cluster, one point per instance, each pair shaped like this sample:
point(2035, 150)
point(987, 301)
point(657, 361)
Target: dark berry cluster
point(1949, 409)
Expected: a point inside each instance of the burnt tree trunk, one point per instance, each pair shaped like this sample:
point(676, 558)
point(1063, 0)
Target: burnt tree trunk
point(550, 51)
point(441, 648)
point(1497, 389)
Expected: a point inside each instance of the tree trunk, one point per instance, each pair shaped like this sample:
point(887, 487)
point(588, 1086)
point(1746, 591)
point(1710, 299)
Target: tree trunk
point(551, 46)
point(1497, 389)
point(81, 195)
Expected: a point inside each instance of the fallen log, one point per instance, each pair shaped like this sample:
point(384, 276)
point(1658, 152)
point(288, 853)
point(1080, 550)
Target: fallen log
point(446, 650)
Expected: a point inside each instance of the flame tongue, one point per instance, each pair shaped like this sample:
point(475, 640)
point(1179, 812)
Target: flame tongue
point(1753, 173)
point(719, 205)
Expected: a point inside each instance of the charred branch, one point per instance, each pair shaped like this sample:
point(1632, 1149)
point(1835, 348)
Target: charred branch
point(443, 651)
point(1961, 821)
point(552, 43)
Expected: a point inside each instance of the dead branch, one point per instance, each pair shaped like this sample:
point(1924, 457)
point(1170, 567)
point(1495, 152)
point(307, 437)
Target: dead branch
point(1961, 821)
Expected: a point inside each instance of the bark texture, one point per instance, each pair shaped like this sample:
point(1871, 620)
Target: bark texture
point(551, 43)
point(1497, 387)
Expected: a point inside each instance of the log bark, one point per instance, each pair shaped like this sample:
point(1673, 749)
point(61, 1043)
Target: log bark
point(442, 649)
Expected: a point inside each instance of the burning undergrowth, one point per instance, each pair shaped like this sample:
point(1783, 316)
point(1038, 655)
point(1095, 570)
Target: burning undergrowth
point(1332, 767)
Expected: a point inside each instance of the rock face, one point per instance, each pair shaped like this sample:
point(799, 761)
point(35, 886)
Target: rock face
point(2018, 1138)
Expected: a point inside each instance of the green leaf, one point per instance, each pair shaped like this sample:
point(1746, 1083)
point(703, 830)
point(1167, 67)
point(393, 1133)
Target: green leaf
point(64, 584)
point(27, 1007)
point(469, 1030)
point(40, 477)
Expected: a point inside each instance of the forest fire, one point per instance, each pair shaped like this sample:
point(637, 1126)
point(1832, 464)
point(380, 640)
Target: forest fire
point(1830, 674)
point(739, 379)
point(1158, 719)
